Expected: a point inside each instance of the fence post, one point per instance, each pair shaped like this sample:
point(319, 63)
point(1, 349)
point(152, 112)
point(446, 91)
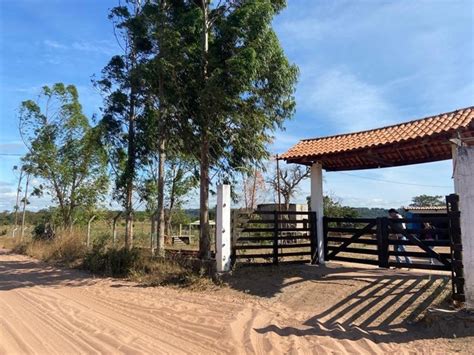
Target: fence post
point(382, 241)
point(314, 238)
point(223, 237)
point(89, 231)
point(325, 238)
point(457, 270)
point(275, 238)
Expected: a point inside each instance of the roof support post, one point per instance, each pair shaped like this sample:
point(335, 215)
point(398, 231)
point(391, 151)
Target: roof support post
point(463, 164)
point(317, 205)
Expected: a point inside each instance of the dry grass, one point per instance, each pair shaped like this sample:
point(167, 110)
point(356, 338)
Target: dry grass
point(7, 242)
point(136, 265)
point(164, 272)
point(68, 249)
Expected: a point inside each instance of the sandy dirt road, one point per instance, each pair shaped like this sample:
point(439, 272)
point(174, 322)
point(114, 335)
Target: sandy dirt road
point(49, 310)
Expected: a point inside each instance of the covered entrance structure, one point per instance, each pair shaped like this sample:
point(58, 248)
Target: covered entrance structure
point(445, 136)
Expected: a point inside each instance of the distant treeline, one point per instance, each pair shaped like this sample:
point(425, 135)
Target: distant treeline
point(183, 216)
point(186, 215)
point(374, 212)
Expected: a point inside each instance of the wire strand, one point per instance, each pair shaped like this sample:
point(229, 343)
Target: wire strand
point(395, 182)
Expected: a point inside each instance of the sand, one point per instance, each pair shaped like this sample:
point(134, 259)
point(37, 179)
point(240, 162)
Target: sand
point(295, 310)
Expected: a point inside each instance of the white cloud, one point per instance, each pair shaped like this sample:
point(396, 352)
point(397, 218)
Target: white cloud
point(340, 96)
point(54, 44)
point(8, 199)
point(13, 147)
point(95, 46)
point(283, 141)
point(101, 46)
point(390, 186)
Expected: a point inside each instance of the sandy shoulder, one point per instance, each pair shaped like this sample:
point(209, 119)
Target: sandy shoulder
point(49, 310)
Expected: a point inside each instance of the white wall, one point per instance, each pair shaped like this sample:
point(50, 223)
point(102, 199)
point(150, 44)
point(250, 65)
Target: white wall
point(463, 161)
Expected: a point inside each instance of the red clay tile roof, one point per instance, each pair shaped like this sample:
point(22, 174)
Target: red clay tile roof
point(419, 132)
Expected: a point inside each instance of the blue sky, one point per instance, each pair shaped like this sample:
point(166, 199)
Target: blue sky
point(363, 64)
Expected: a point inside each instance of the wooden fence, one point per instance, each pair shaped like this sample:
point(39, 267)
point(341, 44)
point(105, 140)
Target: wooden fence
point(378, 244)
point(379, 241)
point(274, 237)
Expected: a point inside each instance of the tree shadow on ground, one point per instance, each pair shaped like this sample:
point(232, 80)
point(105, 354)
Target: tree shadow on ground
point(25, 273)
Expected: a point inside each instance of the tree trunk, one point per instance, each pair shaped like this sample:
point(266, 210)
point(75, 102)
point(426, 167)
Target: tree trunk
point(130, 173)
point(131, 152)
point(17, 205)
point(172, 199)
point(114, 228)
point(254, 188)
point(153, 231)
point(161, 199)
point(25, 200)
point(204, 240)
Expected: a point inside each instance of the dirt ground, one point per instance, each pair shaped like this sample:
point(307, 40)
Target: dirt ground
point(293, 309)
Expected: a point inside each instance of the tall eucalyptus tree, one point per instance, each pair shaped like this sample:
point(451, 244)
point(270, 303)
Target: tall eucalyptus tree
point(124, 100)
point(238, 88)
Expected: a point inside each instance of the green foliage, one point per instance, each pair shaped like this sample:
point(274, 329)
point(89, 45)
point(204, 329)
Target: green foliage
point(64, 151)
point(41, 216)
point(333, 208)
point(248, 88)
point(180, 180)
point(374, 212)
point(427, 201)
point(231, 85)
point(43, 231)
point(123, 105)
point(179, 216)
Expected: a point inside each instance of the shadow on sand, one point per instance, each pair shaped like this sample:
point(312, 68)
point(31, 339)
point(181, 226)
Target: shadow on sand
point(382, 305)
point(28, 273)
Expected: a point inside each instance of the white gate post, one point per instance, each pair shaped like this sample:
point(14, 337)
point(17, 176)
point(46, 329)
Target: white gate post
point(463, 161)
point(223, 242)
point(317, 205)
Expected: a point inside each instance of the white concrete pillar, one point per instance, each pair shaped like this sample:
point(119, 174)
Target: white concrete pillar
point(223, 235)
point(317, 205)
point(463, 162)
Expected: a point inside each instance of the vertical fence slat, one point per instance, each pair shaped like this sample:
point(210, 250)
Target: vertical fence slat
point(384, 233)
point(457, 271)
point(378, 235)
point(275, 239)
point(314, 238)
point(325, 238)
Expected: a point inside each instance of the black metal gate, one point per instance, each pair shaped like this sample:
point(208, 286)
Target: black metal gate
point(274, 237)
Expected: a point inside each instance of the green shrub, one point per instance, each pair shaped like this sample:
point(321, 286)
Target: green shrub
point(100, 242)
point(43, 231)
